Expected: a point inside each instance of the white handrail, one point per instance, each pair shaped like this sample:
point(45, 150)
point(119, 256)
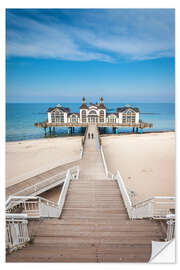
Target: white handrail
point(35, 187)
point(154, 198)
point(124, 193)
point(150, 208)
point(37, 172)
point(81, 152)
point(107, 172)
point(29, 202)
point(104, 162)
point(50, 181)
point(16, 216)
point(64, 192)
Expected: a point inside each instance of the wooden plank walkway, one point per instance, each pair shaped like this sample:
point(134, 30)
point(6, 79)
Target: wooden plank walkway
point(39, 178)
point(94, 226)
point(91, 166)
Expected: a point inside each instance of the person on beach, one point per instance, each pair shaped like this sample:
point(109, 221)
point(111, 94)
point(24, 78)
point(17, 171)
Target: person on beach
point(92, 135)
point(88, 135)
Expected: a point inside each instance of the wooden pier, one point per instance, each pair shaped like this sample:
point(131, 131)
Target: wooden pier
point(115, 126)
point(46, 124)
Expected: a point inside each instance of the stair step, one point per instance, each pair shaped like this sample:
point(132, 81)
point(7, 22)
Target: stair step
point(50, 241)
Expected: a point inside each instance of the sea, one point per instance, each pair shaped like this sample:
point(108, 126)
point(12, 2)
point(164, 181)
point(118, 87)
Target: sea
point(20, 118)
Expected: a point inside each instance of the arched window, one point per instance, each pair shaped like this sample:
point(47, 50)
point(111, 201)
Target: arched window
point(53, 117)
point(92, 117)
point(112, 118)
point(84, 116)
point(101, 116)
point(59, 116)
point(93, 112)
point(133, 117)
point(129, 116)
point(73, 118)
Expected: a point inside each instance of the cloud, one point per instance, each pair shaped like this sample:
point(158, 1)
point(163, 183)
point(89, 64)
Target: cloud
point(85, 35)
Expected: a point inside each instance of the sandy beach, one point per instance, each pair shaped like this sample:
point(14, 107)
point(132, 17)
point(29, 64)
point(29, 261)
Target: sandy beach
point(28, 158)
point(146, 162)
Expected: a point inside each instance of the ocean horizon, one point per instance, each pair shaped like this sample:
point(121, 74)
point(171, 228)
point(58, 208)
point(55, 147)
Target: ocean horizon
point(20, 118)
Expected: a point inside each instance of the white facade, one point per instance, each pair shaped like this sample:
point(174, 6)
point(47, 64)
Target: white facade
point(49, 117)
point(95, 113)
point(137, 117)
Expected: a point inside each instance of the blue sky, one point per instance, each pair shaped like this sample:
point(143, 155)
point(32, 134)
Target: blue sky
point(124, 55)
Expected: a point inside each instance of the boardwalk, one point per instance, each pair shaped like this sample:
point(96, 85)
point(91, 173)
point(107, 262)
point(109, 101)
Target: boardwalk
point(17, 188)
point(91, 166)
point(94, 226)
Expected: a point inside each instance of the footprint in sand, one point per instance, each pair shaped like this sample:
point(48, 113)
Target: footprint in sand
point(148, 170)
point(29, 146)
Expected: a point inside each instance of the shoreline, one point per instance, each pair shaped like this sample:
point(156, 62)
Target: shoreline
point(47, 137)
point(39, 139)
point(80, 135)
point(131, 133)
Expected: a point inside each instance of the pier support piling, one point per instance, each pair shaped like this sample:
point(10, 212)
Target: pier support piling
point(45, 132)
point(54, 132)
point(70, 130)
point(49, 131)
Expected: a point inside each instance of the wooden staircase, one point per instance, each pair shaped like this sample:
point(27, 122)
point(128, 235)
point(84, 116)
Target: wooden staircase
point(94, 227)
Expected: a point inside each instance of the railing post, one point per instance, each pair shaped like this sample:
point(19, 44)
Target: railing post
point(78, 173)
point(16, 230)
point(170, 229)
point(25, 206)
point(40, 209)
point(151, 208)
point(133, 212)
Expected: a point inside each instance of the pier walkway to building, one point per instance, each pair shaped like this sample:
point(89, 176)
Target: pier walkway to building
point(91, 166)
point(94, 225)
